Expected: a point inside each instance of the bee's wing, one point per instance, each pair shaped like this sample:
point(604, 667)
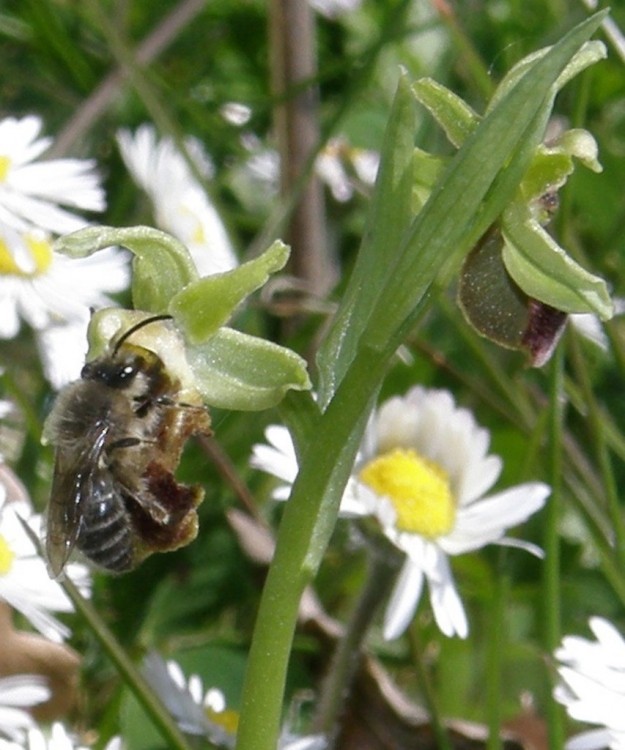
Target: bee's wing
point(75, 474)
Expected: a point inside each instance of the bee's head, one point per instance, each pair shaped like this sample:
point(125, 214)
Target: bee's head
point(120, 368)
point(116, 372)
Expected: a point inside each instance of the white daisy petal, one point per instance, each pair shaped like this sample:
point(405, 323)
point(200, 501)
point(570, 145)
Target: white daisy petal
point(595, 739)
point(38, 200)
point(62, 349)
point(592, 685)
point(181, 205)
point(609, 638)
point(313, 742)
point(278, 458)
point(24, 581)
point(486, 521)
point(187, 702)
point(521, 544)
point(404, 600)
point(18, 693)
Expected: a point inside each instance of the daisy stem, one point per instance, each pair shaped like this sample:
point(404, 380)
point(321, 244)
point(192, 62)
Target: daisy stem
point(427, 691)
point(383, 565)
point(160, 716)
point(551, 577)
point(134, 679)
point(496, 647)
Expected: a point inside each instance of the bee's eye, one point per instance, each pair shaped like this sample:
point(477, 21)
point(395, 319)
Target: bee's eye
point(127, 372)
point(113, 374)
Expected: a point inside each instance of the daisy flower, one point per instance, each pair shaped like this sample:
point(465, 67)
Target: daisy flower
point(34, 194)
point(37, 202)
point(592, 685)
point(423, 471)
point(24, 581)
point(181, 206)
point(201, 712)
point(195, 711)
point(57, 739)
point(343, 166)
point(18, 693)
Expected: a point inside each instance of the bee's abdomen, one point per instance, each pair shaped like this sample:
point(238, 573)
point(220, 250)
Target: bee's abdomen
point(106, 534)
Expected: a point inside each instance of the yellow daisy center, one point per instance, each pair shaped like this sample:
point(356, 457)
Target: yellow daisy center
point(6, 556)
point(227, 719)
point(418, 488)
point(5, 165)
point(40, 251)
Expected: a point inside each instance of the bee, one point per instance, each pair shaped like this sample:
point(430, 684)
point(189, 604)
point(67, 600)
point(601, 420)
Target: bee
point(118, 434)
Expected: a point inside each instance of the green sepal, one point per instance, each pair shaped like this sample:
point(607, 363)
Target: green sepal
point(552, 165)
point(543, 269)
point(208, 303)
point(451, 112)
point(233, 370)
point(162, 265)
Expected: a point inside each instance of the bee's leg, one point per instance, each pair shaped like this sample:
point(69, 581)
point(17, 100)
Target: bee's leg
point(127, 442)
point(149, 504)
point(144, 405)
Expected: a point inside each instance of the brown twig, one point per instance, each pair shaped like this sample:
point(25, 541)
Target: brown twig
point(229, 474)
point(296, 121)
point(93, 107)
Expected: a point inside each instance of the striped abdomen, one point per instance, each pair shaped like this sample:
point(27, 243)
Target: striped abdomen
point(105, 535)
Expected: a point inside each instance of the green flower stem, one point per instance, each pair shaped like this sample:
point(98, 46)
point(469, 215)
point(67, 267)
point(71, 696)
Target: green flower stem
point(316, 495)
point(427, 690)
point(134, 679)
point(384, 561)
point(603, 455)
point(160, 716)
point(551, 580)
point(495, 653)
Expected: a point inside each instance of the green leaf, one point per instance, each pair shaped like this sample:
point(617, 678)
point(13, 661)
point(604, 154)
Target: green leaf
point(206, 304)
point(427, 172)
point(236, 371)
point(544, 271)
point(161, 268)
point(389, 217)
point(588, 54)
point(451, 112)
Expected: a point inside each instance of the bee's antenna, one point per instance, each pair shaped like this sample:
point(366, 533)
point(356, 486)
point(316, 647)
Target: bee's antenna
point(136, 327)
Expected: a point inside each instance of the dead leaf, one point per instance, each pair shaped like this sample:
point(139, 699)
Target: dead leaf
point(27, 653)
